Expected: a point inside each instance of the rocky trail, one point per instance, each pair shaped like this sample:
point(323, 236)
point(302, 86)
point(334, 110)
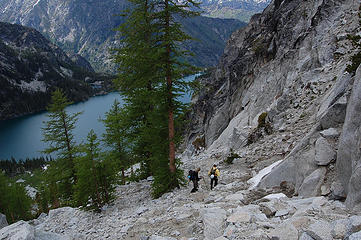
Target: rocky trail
point(230, 211)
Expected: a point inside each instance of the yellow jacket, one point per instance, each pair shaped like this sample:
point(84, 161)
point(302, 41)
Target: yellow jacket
point(217, 173)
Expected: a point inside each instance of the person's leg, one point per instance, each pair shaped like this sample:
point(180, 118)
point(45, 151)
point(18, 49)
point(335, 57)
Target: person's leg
point(212, 179)
point(215, 181)
point(196, 185)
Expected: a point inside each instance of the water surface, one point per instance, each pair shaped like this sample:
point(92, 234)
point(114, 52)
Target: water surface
point(21, 138)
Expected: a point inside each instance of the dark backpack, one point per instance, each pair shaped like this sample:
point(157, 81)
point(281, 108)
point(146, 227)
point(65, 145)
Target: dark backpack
point(191, 175)
point(213, 171)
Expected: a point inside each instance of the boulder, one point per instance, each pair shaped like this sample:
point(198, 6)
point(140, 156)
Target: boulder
point(324, 152)
point(155, 237)
point(214, 222)
point(335, 114)
point(41, 235)
point(3, 221)
point(20, 230)
point(305, 236)
point(340, 228)
point(355, 236)
point(320, 230)
point(296, 166)
point(337, 190)
point(355, 223)
point(333, 107)
point(237, 197)
point(141, 210)
point(348, 164)
point(240, 217)
point(284, 231)
point(311, 186)
point(330, 133)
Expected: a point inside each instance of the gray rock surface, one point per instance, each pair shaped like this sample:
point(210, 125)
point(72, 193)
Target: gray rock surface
point(325, 153)
point(3, 221)
point(18, 231)
point(311, 186)
point(330, 133)
point(349, 154)
point(355, 236)
point(214, 222)
point(320, 230)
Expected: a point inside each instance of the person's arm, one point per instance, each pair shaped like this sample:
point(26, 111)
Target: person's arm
point(218, 173)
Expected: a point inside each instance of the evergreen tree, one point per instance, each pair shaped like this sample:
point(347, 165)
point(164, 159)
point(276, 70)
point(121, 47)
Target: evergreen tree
point(150, 73)
point(14, 202)
point(58, 133)
point(95, 177)
point(137, 79)
point(114, 137)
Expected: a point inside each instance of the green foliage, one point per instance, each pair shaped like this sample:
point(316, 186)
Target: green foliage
point(262, 119)
point(114, 137)
point(262, 129)
point(13, 167)
point(151, 68)
point(232, 155)
point(259, 47)
point(199, 142)
point(356, 42)
point(58, 133)
point(14, 202)
point(95, 177)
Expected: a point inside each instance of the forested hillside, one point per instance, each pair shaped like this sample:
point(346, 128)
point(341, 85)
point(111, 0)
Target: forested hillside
point(32, 67)
point(87, 28)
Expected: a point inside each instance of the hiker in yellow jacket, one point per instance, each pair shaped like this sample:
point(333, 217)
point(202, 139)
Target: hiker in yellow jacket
point(214, 174)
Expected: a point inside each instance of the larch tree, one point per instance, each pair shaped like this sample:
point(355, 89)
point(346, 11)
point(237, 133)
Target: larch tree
point(96, 175)
point(150, 77)
point(114, 137)
point(58, 134)
point(87, 188)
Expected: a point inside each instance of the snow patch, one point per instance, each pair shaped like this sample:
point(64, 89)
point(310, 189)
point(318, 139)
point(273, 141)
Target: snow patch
point(275, 196)
point(256, 179)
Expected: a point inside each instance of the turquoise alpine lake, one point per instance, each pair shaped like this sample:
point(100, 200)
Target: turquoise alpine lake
point(21, 138)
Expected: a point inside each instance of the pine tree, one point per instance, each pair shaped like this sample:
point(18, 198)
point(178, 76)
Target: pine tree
point(58, 133)
point(114, 137)
point(137, 79)
point(87, 186)
point(150, 73)
point(14, 202)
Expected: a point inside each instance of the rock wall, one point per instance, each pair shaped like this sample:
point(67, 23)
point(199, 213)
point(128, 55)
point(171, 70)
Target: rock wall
point(289, 63)
point(349, 147)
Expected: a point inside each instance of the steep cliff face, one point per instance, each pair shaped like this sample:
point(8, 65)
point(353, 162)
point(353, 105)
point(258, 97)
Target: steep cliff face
point(31, 67)
point(284, 75)
point(87, 28)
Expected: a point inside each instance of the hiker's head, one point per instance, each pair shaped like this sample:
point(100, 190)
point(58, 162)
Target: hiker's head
point(214, 165)
point(198, 169)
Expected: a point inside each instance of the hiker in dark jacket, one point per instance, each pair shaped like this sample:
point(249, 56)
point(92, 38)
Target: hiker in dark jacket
point(195, 178)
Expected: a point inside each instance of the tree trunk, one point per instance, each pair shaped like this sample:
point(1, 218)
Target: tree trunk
point(172, 166)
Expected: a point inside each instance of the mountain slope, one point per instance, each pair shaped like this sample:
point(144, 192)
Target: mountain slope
point(282, 81)
point(237, 9)
point(31, 68)
point(86, 28)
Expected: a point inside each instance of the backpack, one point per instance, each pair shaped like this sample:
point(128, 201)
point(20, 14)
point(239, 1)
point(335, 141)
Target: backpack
point(191, 175)
point(213, 171)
